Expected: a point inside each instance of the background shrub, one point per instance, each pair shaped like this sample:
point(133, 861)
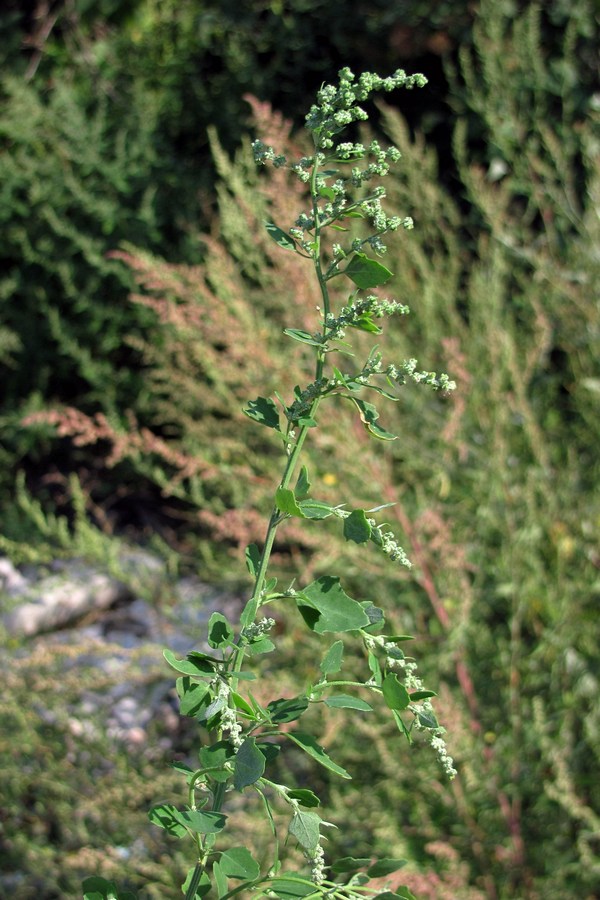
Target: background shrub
point(501, 272)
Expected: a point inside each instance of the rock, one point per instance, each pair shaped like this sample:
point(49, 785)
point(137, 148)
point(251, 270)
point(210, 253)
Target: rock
point(60, 600)
point(11, 580)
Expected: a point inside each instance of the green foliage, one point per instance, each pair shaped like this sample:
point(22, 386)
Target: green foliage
point(497, 501)
point(245, 735)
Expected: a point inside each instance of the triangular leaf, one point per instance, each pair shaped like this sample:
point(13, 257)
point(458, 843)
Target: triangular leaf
point(252, 559)
point(303, 336)
point(220, 632)
point(280, 237)
point(216, 756)
point(366, 272)
point(263, 411)
point(304, 796)
point(385, 867)
point(356, 527)
point(332, 661)
point(326, 607)
point(310, 746)
point(239, 863)
point(286, 502)
point(249, 764)
point(192, 696)
point(394, 693)
point(349, 864)
point(345, 701)
point(288, 889)
point(315, 509)
point(303, 484)
point(287, 710)
point(304, 826)
point(194, 665)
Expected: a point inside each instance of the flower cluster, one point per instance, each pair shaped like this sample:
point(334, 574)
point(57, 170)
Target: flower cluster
point(317, 861)
point(423, 710)
point(408, 371)
point(388, 543)
point(222, 702)
point(337, 107)
point(355, 312)
point(304, 398)
point(256, 630)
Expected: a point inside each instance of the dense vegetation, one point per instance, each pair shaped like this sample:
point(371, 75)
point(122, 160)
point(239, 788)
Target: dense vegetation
point(134, 266)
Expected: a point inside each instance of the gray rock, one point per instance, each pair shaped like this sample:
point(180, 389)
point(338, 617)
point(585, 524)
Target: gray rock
point(60, 600)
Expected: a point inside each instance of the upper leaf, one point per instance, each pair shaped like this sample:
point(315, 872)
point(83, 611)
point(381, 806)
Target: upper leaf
point(249, 764)
point(263, 411)
point(326, 607)
point(366, 272)
point(357, 527)
point(304, 826)
point(280, 237)
point(239, 863)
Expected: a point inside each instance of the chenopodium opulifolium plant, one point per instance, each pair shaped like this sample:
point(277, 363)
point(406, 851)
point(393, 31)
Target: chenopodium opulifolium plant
point(215, 687)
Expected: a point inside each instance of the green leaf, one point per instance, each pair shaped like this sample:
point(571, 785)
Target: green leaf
point(252, 559)
point(356, 527)
point(421, 695)
point(315, 509)
point(366, 272)
point(332, 661)
point(375, 667)
point(97, 888)
point(280, 237)
point(349, 864)
point(220, 632)
point(303, 484)
point(263, 411)
point(303, 336)
point(304, 826)
point(178, 822)
point(375, 615)
point(369, 415)
point(287, 889)
point(304, 796)
point(364, 322)
point(220, 880)
point(192, 696)
point(261, 645)
point(339, 376)
point(401, 726)
point(285, 501)
point(403, 891)
point(201, 822)
point(324, 607)
point(217, 755)
point(203, 884)
point(345, 701)
point(243, 705)
point(238, 862)
point(164, 816)
point(385, 867)
point(199, 665)
point(269, 750)
point(310, 746)
point(386, 895)
point(428, 720)
point(249, 764)
point(394, 693)
point(287, 710)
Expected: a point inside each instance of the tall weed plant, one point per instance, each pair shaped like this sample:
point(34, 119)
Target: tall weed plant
point(496, 496)
point(242, 733)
